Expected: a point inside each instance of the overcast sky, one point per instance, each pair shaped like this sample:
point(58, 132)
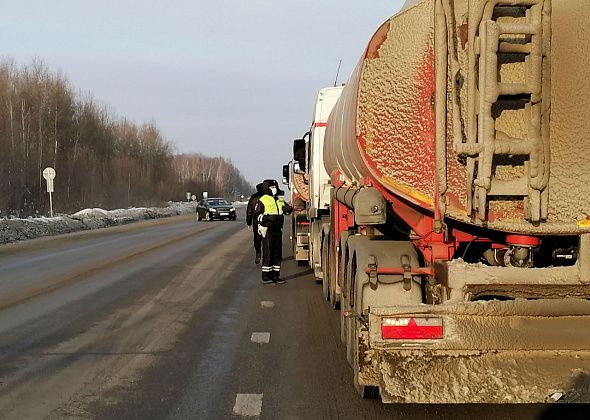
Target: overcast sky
point(232, 78)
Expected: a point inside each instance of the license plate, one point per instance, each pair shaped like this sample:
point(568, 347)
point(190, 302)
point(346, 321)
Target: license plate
point(223, 214)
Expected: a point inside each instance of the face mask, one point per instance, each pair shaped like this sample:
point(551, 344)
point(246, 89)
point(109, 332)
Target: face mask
point(273, 190)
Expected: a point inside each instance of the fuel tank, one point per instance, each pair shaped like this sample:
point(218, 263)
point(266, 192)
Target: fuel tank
point(480, 108)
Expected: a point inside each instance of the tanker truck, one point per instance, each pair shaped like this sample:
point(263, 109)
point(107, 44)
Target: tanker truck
point(457, 244)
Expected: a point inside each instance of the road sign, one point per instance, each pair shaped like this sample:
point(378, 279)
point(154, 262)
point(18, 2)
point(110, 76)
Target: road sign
point(49, 173)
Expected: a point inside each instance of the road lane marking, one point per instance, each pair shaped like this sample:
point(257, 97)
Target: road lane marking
point(267, 304)
point(260, 337)
point(248, 405)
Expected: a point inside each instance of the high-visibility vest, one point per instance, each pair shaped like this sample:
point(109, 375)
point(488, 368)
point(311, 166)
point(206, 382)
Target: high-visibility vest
point(272, 206)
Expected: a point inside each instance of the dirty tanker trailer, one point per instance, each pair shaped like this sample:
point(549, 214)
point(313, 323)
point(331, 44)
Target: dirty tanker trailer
point(459, 235)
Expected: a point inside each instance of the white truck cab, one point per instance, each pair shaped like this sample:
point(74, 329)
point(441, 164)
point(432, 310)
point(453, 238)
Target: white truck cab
point(319, 179)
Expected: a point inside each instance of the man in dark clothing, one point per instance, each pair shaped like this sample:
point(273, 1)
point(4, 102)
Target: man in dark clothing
point(269, 211)
point(252, 222)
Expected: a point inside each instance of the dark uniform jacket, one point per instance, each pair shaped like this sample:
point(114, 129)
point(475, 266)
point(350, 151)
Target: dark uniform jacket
point(252, 205)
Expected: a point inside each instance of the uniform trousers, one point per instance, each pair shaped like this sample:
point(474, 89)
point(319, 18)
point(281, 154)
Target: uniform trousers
point(257, 238)
point(272, 254)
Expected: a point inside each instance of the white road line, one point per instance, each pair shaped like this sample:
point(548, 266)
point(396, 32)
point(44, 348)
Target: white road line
point(267, 304)
point(260, 337)
point(248, 405)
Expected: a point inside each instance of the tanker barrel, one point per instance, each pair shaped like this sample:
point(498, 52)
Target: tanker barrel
point(368, 204)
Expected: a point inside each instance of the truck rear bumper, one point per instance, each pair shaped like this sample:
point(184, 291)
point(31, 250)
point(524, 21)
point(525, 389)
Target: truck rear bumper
point(414, 376)
point(491, 352)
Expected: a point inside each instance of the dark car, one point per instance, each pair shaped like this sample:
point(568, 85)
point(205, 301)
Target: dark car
point(215, 208)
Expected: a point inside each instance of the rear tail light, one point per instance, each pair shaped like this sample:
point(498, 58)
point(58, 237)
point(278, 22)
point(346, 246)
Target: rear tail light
point(411, 328)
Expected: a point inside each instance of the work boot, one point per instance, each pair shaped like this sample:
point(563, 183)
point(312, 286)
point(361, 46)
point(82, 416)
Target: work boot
point(267, 278)
point(276, 278)
point(257, 259)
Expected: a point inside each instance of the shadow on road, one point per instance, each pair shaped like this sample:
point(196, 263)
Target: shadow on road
point(298, 274)
point(566, 411)
point(577, 391)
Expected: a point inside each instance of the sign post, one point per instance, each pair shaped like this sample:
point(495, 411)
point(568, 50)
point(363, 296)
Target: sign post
point(49, 175)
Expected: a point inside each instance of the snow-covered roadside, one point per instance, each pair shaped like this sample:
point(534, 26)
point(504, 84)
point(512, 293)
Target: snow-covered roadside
point(12, 230)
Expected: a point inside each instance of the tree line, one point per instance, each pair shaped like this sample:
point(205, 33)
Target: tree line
point(101, 160)
point(215, 175)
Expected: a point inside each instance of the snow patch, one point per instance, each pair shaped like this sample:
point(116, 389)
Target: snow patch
point(14, 229)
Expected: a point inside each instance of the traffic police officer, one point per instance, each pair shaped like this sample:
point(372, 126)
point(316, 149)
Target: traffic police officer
point(270, 211)
point(252, 222)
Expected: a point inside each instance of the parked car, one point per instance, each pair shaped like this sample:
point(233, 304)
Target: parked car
point(215, 208)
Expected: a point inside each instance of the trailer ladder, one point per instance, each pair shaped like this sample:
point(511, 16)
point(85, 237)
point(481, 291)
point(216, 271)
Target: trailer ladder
point(511, 31)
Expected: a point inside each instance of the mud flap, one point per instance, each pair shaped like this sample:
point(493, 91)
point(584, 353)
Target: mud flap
point(366, 366)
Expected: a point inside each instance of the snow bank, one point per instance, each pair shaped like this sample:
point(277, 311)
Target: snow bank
point(12, 230)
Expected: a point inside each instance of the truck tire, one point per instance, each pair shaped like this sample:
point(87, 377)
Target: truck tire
point(315, 249)
point(325, 268)
point(333, 272)
point(349, 322)
point(343, 260)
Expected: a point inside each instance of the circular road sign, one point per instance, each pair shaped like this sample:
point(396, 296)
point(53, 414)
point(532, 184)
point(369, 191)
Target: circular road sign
point(49, 173)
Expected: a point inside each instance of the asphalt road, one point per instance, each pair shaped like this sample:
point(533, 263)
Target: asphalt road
point(168, 319)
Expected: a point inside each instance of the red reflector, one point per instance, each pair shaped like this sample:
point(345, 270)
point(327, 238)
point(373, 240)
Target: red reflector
point(416, 329)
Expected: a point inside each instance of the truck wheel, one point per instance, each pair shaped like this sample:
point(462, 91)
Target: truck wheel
point(350, 322)
point(333, 281)
point(343, 267)
point(315, 249)
point(325, 269)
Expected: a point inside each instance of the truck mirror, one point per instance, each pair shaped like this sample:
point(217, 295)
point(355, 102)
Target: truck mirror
point(285, 174)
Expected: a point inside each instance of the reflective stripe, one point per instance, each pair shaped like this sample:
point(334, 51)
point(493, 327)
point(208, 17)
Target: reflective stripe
point(266, 269)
